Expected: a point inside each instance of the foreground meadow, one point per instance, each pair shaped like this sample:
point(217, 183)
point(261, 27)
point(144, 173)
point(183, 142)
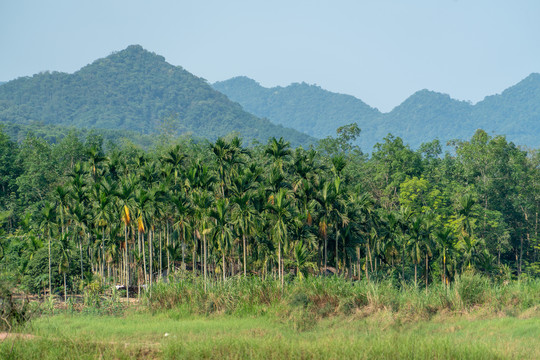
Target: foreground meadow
point(313, 319)
point(171, 335)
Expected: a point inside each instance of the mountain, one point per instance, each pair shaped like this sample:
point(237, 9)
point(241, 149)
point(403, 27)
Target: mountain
point(134, 90)
point(306, 108)
point(424, 116)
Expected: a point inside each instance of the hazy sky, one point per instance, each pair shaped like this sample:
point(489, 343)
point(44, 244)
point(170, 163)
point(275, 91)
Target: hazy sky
point(380, 51)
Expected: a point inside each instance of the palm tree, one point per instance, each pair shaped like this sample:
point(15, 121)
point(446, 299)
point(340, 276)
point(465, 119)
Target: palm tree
point(175, 158)
point(244, 216)
point(419, 243)
point(65, 254)
point(183, 214)
point(80, 214)
point(447, 243)
point(302, 259)
point(95, 158)
point(49, 220)
point(278, 151)
point(125, 199)
point(62, 198)
point(280, 209)
point(203, 201)
point(222, 231)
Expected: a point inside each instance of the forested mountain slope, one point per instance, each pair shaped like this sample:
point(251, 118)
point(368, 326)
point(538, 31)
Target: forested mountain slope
point(306, 108)
point(133, 90)
point(422, 117)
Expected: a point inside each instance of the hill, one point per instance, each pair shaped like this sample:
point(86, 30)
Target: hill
point(306, 108)
point(424, 116)
point(133, 90)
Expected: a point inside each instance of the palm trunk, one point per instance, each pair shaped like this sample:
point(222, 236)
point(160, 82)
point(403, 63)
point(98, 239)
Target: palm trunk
point(205, 255)
point(358, 261)
point(325, 253)
point(169, 255)
point(65, 290)
point(366, 267)
point(244, 241)
point(82, 271)
point(150, 253)
point(126, 263)
point(415, 274)
point(444, 270)
point(279, 259)
point(427, 263)
point(337, 249)
point(160, 253)
point(223, 265)
point(144, 260)
point(50, 273)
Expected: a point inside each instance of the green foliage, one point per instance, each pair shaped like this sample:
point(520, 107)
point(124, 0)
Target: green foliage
point(134, 91)
point(424, 116)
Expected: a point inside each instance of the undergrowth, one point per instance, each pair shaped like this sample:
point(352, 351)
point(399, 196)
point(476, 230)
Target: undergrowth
point(305, 301)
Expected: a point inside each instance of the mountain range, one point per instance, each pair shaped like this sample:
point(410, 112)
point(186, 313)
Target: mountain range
point(136, 94)
point(137, 91)
point(424, 116)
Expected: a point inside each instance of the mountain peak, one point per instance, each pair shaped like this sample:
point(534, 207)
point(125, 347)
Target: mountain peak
point(136, 90)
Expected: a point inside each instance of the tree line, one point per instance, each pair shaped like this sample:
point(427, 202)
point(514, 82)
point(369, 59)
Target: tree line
point(76, 212)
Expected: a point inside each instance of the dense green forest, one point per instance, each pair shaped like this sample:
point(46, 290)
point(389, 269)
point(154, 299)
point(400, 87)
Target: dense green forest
point(306, 108)
point(80, 213)
point(136, 92)
point(424, 116)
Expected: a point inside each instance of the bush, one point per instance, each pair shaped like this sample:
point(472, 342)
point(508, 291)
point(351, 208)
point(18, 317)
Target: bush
point(472, 289)
point(12, 312)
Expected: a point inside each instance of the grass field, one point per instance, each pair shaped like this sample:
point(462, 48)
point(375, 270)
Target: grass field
point(174, 334)
point(329, 318)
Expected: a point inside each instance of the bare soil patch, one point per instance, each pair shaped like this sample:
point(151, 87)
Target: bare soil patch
point(6, 335)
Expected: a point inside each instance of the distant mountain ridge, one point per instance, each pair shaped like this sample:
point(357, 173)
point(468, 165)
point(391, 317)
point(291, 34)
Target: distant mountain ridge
point(306, 108)
point(423, 117)
point(134, 90)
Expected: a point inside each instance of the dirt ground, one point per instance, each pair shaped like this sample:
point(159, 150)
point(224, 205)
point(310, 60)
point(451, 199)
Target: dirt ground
point(5, 335)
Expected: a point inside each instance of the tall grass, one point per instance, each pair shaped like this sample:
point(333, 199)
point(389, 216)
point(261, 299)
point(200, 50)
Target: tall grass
point(322, 297)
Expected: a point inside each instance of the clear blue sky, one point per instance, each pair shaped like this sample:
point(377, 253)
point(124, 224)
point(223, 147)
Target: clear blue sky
point(380, 51)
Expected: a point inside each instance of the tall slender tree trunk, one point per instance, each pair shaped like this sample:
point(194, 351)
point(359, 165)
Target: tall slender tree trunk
point(358, 262)
point(369, 254)
point(144, 259)
point(337, 249)
point(444, 270)
point(50, 272)
point(279, 260)
point(150, 255)
point(366, 267)
point(80, 251)
point(126, 262)
point(415, 274)
point(427, 268)
point(520, 252)
point(65, 288)
point(244, 241)
point(169, 255)
point(325, 254)
point(223, 265)
point(160, 254)
point(205, 255)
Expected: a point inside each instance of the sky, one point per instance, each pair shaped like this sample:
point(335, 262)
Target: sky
point(380, 51)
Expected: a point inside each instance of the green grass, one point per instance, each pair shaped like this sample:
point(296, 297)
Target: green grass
point(381, 335)
point(319, 318)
